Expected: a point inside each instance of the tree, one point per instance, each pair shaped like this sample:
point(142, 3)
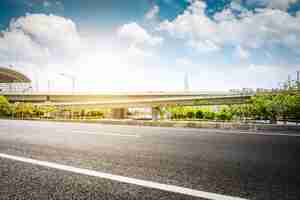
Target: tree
point(260, 105)
point(177, 112)
point(37, 111)
point(209, 115)
point(5, 107)
point(190, 114)
point(296, 108)
point(23, 110)
point(293, 111)
point(45, 110)
point(224, 115)
point(236, 111)
point(274, 107)
point(199, 114)
point(221, 116)
point(285, 105)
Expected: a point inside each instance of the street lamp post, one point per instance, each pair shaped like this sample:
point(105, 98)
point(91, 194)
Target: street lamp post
point(23, 100)
point(72, 78)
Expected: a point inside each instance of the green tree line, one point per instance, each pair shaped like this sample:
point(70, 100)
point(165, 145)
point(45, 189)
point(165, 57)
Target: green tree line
point(28, 110)
point(272, 107)
point(199, 113)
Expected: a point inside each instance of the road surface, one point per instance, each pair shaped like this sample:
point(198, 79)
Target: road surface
point(47, 160)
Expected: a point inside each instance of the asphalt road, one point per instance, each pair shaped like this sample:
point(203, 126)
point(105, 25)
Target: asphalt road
point(229, 163)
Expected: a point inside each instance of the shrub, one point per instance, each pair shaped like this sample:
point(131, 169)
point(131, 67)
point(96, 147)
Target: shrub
point(199, 114)
point(5, 108)
point(209, 115)
point(190, 115)
point(224, 116)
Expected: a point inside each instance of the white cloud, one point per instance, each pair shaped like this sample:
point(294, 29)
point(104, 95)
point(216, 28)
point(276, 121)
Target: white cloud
point(226, 15)
point(152, 13)
point(137, 35)
point(140, 43)
point(281, 4)
point(242, 53)
point(135, 52)
point(15, 45)
point(264, 28)
point(203, 46)
point(56, 33)
point(37, 37)
point(275, 4)
point(183, 62)
point(194, 26)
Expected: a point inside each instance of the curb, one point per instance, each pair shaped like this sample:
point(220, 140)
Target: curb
point(189, 124)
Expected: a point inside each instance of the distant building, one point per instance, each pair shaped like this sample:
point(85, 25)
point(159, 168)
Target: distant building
point(263, 90)
point(242, 91)
point(235, 90)
point(13, 81)
point(186, 83)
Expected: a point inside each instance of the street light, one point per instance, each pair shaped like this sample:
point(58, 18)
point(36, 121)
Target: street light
point(72, 78)
point(23, 100)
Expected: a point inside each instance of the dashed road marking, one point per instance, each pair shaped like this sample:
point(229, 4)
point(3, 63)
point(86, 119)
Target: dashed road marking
point(123, 179)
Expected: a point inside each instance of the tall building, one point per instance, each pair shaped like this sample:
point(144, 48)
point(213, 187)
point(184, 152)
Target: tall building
point(289, 82)
point(186, 83)
point(298, 79)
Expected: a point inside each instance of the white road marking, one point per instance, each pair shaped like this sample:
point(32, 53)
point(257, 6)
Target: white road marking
point(123, 179)
point(101, 133)
point(199, 131)
point(265, 134)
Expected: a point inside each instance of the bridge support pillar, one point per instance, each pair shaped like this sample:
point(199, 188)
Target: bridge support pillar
point(118, 113)
point(155, 113)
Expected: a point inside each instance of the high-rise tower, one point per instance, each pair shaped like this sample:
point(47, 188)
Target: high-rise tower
point(298, 80)
point(186, 83)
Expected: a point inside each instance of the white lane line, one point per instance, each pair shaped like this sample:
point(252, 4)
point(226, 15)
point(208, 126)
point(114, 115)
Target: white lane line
point(123, 179)
point(265, 134)
point(191, 134)
point(101, 133)
point(90, 133)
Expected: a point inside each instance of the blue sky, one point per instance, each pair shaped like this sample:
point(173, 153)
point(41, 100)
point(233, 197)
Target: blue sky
point(91, 12)
point(148, 45)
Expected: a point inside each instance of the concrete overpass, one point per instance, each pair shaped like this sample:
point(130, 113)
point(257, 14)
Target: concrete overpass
point(145, 97)
point(154, 102)
point(120, 102)
point(119, 107)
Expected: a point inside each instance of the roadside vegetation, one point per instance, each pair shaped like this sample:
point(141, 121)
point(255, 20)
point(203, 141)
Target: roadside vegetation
point(29, 111)
point(5, 107)
point(268, 107)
